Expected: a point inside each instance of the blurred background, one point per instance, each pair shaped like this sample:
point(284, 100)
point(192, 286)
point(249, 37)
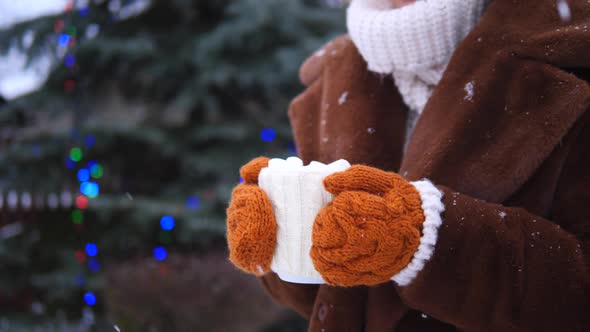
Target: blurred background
point(123, 124)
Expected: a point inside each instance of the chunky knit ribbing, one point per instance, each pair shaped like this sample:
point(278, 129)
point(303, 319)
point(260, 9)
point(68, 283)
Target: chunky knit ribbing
point(413, 43)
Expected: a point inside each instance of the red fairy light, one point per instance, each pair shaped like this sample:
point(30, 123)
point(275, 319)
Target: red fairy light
point(80, 256)
point(81, 202)
point(58, 26)
point(69, 85)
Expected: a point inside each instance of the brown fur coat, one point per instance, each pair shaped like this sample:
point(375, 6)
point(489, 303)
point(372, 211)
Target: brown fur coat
point(513, 162)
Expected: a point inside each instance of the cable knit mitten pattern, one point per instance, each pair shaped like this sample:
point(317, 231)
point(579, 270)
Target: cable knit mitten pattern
point(370, 231)
point(251, 224)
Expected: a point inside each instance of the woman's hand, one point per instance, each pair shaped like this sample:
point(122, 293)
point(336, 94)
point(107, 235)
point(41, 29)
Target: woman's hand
point(251, 224)
point(370, 231)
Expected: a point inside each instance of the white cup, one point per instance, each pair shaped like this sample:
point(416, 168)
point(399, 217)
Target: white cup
point(297, 195)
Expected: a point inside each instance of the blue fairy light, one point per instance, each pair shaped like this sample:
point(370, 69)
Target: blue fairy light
point(241, 179)
point(193, 202)
point(93, 265)
point(83, 175)
point(268, 134)
point(91, 163)
point(69, 60)
point(70, 164)
point(90, 189)
point(63, 40)
point(89, 140)
point(83, 11)
point(90, 298)
point(160, 253)
point(91, 249)
point(167, 223)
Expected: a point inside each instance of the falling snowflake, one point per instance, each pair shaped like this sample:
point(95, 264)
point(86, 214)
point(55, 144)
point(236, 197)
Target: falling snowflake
point(92, 31)
point(502, 214)
point(564, 10)
point(371, 130)
point(469, 90)
point(342, 98)
point(320, 53)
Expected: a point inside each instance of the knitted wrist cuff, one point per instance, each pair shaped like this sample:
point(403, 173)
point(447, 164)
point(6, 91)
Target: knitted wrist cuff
point(433, 208)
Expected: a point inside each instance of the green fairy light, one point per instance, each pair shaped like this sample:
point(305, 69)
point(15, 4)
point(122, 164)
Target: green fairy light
point(71, 31)
point(76, 154)
point(77, 216)
point(96, 171)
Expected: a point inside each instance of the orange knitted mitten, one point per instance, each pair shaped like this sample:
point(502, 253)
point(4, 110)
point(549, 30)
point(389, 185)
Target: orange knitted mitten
point(370, 231)
point(251, 224)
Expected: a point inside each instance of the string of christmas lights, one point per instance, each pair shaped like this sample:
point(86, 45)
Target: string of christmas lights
point(88, 172)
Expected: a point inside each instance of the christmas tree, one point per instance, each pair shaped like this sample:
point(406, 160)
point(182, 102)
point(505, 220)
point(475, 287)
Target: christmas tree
point(125, 158)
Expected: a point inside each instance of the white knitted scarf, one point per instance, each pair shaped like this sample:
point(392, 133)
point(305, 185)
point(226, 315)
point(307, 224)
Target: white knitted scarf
point(413, 43)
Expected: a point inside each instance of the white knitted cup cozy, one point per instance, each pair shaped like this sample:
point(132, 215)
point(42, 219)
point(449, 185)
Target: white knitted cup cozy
point(413, 43)
point(297, 195)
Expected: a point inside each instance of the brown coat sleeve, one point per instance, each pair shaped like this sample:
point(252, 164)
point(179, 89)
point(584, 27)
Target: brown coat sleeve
point(497, 268)
point(298, 297)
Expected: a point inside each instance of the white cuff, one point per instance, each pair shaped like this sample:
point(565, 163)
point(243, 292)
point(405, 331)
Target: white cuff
point(433, 208)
